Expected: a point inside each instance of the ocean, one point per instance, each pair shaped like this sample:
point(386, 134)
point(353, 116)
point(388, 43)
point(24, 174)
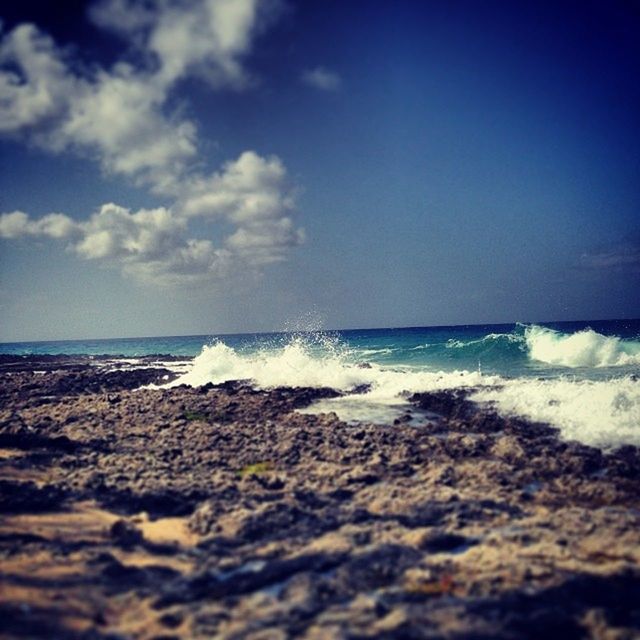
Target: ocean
point(581, 377)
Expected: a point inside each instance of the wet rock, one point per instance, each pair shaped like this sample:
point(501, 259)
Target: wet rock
point(449, 404)
point(361, 388)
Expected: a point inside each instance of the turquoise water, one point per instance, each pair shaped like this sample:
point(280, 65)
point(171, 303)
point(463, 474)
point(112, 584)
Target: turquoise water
point(505, 349)
point(582, 377)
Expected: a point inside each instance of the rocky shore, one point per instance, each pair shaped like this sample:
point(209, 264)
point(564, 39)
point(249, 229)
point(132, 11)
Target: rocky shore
point(222, 512)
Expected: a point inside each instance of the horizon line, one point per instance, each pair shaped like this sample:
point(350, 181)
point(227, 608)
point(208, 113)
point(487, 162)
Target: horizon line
point(309, 331)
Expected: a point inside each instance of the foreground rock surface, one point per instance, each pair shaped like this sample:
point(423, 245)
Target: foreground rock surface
point(222, 512)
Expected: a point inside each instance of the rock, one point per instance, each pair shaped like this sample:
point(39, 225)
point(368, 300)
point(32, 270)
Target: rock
point(445, 542)
point(290, 525)
point(509, 448)
point(125, 534)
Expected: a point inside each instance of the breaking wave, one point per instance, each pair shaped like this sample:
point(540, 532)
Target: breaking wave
point(298, 364)
point(601, 412)
point(292, 365)
point(584, 348)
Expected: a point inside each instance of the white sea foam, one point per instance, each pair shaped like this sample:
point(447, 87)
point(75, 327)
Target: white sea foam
point(376, 352)
point(598, 412)
point(581, 349)
point(296, 364)
point(453, 343)
point(292, 365)
point(119, 363)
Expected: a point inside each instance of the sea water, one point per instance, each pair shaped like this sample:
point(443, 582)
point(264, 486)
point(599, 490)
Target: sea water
point(581, 377)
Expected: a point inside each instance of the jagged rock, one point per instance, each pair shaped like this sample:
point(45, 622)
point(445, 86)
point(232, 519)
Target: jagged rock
point(236, 516)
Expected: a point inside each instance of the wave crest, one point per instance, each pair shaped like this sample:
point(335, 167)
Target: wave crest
point(295, 364)
point(585, 348)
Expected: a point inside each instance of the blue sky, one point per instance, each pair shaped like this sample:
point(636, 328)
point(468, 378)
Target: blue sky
point(232, 166)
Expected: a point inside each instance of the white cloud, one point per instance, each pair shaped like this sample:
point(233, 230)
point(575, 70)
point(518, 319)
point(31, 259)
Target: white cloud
point(247, 189)
point(34, 83)
point(322, 79)
point(56, 225)
point(193, 262)
point(115, 232)
point(118, 116)
point(250, 195)
point(123, 16)
point(115, 115)
point(18, 223)
point(14, 225)
point(208, 38)
point(149, 244)
point(265, 241)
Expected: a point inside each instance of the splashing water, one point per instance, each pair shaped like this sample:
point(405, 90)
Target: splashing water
point(580, 377)
point(292, 365)
point(599, 411)
point(581, 349)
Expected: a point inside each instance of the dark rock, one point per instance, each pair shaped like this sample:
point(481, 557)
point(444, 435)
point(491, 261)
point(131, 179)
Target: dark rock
point(157, 504)
point(377, 568)
point(26, 441)
point(26, 497)
point(171, 620)
point(440, 542)
point(240, 581)
point(125, 534)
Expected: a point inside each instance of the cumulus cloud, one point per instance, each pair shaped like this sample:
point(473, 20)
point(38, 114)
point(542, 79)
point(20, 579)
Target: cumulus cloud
point(322, 79)
point(116, 232)
point(247, 189)
point(35, 83)
point(149, 244)
point(253, 194)
point(250, 195)
point(208, 38)
point(119, 117)
point(266, 241)
point(18, 223)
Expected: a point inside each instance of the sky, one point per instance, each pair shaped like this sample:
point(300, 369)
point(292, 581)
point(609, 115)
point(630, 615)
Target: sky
point(210, 166)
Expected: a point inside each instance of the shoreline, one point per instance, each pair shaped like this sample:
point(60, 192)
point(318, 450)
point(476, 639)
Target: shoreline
point(221, 511)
